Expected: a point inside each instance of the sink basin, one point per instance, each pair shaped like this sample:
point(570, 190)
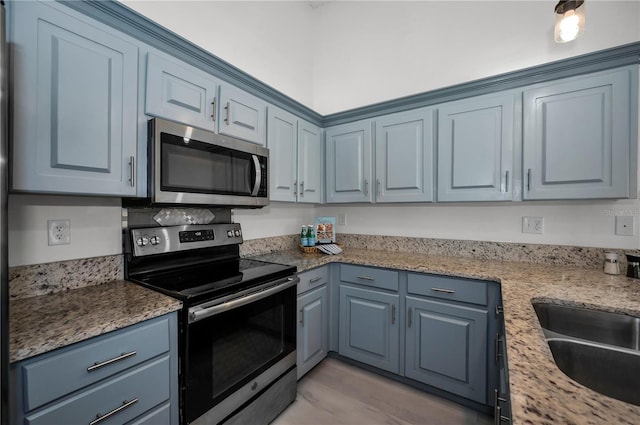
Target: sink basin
point(598, 349)
point(616, 329)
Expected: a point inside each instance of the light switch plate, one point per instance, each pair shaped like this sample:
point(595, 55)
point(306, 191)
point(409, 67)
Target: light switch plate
point(624, 225)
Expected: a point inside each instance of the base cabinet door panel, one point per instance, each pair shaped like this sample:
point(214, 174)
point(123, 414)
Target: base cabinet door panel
point(446, 347)
point(313, 329)
point(369, 329)
point(578, 135)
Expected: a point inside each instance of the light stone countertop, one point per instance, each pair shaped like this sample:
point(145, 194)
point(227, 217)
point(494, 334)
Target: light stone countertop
point(540, 392)
point(46, 322)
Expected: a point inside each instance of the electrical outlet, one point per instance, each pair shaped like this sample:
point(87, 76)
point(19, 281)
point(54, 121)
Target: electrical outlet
point(59, 232)
point(624, 225)
point(533, 225)
point(342, 219)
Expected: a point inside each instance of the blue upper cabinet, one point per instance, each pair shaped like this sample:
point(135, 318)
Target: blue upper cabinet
point(348, 162)
point(404, 157)
point(242, 115)
point(74, 103)
point(310, 163)
point(475, 149)
point(179, 92)
point(580, 136)
point(295, 158)
point(282, 141)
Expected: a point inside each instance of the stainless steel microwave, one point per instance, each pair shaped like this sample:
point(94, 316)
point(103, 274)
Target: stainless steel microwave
point(196, 167)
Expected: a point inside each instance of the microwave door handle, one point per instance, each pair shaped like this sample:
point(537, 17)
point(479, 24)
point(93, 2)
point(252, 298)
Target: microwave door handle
point(256, 184)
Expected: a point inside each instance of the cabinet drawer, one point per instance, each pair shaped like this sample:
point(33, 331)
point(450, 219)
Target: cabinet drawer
point(148, 385)
point(313, 279)
point(448, 288)
point(54, 376)
point(377, 278)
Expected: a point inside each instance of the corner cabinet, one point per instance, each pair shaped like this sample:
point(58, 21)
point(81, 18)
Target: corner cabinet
point(370, 316)
point(349, 162)
point(295, 158)
point(580, 137)
point(125, 376)
point(313, 319)
point(475, 149)
point(179, 92)
point(74, 102)
point(405, 156)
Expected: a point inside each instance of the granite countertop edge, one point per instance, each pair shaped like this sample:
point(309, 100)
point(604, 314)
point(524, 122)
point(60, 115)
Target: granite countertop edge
point(44, 323)
point(540, 392)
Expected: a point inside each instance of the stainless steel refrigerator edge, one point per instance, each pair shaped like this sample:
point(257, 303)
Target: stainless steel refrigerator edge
point(4, 290)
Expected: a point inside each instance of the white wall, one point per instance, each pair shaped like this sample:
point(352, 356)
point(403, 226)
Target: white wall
point(270, 40)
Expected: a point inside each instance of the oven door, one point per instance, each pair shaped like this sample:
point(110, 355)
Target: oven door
point(237, 348)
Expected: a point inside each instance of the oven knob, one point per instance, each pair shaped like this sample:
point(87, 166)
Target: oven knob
point(154, 240)
point(237, 232)
point(230, 233)
point(142, 241)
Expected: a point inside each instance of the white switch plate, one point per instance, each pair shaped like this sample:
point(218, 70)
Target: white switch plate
point(59, 232)
point(342, 219)
point(624, 225)
point(533, 225)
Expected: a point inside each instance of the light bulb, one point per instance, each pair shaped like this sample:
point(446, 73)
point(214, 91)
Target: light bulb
point(569, 26)
point(570, 19)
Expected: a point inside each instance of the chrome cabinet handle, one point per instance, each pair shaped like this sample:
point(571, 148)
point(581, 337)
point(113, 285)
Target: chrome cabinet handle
point(132, 168)
point(366, 187)
point(295, 187)
point(228, 113)
point(125, 404)
point(499, 310)
point(506, 182)
point(378, 186)
point(213, 114)
point(446, 291)
point(393, 314)
point(315, 279)
point(302, 189)
point(497, 410)
point(366, 277)
point(497, 342)
point(529, 179)
point(409, 317)
point(302, 317)
point(98, 365)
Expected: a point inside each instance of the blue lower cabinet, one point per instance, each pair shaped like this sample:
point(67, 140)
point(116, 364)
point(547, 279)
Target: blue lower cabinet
point(313, 329)
point(369, 327)
point(125, 376)
point(446, 347)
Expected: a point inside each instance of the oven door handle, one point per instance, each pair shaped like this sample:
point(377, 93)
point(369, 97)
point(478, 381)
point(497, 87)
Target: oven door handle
point(258, 181)
point(202, 311)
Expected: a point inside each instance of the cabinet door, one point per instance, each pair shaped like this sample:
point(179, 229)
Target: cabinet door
point(309, 163)
point(577, 137)
point(446, 347)
point(475, 149)
point(179, 92)
point(404, 157)
point(313, 329)
point(348, 162)
point(74, 103)
point(242, 115)
point(369, 329)
point(282, 140)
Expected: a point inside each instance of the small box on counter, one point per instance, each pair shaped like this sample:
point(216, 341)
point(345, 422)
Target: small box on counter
point(325, 229)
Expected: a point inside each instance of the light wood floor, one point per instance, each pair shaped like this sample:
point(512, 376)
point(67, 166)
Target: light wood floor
point(337, 393)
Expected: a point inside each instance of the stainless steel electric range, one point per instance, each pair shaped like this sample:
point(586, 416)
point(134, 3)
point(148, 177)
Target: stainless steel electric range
point(237, 342)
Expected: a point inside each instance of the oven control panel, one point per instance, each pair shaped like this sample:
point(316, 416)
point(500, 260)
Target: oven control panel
point(159, 240)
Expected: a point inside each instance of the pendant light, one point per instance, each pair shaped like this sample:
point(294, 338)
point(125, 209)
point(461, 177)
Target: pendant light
point(569, 20)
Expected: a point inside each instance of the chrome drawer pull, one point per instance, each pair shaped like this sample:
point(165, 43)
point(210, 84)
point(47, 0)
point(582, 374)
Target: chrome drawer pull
point(498, 340)
point(213, 104)
point(125, 404)
point(446, 291)
point(315, 279)
point(228, 118)
point(98, 365)
point(366, 277)
point(132, 169)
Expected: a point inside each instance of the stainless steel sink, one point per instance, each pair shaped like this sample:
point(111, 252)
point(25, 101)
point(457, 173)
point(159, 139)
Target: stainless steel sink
point(620, 330)
point(595, 348)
